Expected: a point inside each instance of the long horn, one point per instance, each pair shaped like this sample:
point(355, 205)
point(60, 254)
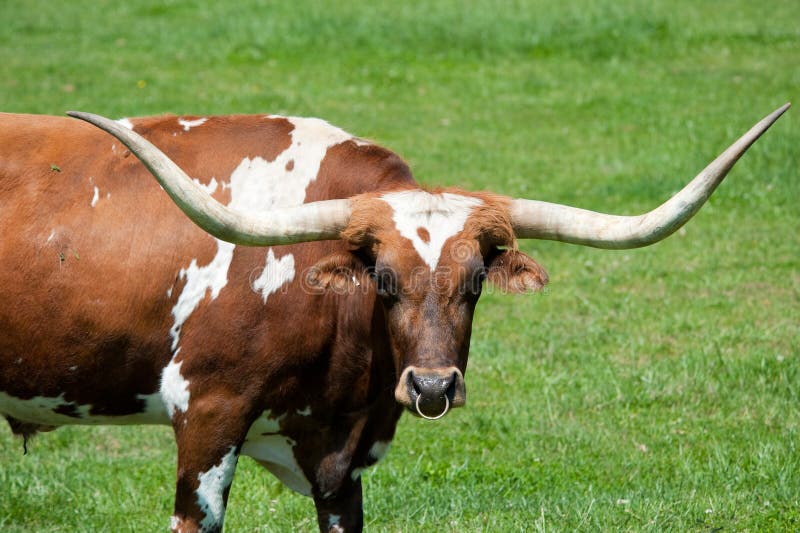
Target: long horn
point(307, 222)
point(542, 220)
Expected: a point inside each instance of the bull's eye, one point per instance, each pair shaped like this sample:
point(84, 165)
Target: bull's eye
point(385, 283)
point(475, 282)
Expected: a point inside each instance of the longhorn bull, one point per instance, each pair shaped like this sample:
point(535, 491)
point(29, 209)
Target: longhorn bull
point(321, 292)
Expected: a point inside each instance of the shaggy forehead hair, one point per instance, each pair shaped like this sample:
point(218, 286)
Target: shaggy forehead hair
point(489, 222)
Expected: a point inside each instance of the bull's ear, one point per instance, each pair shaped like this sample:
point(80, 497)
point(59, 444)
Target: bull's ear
point(514, 272)
point(339, 272)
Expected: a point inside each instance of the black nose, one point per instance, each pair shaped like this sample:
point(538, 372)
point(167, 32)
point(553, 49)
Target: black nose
point(432, 394)
point(432, 386)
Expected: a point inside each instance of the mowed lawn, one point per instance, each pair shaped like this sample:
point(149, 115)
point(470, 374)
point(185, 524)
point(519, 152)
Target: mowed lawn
point(644, 390)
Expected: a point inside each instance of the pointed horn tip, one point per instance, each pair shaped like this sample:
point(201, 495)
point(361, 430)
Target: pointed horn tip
point(782, 109)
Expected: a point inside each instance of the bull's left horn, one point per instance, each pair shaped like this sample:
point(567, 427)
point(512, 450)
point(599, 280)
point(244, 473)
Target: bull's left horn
point(532, 219)
point(314, 221)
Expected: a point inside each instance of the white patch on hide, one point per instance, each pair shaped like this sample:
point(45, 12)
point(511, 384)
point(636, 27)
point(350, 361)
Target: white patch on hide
point(211, 188)
point(174, 388)
point(275, 452)
point(441, 215)
point(200, 281)
point(276, 272)
point(125, 122)
point(96, 196)
point(189, 124)
point(212, 487)
point(40, 410)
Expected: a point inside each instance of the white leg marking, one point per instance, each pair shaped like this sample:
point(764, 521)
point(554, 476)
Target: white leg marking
point(174, 388)
point(189, 124)
point(212, 486)
point(441, 215)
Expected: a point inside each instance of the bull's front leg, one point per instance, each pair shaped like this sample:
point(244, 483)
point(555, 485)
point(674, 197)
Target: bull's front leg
point(209, 441)
point(341, 512)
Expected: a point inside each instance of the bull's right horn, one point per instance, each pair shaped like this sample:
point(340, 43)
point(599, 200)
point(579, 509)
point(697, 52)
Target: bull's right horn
point(314, 221)
point(533, 219)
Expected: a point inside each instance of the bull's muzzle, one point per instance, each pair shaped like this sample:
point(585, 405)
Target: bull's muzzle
point(431, 392)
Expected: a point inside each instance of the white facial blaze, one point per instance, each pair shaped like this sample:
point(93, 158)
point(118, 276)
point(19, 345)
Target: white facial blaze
point(440, 215)
point(212, 488)
point(256, 186)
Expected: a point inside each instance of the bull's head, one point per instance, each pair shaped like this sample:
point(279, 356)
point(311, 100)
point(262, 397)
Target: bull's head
point(429, 253)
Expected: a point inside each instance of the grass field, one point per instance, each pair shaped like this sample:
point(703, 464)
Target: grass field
point(646, 390)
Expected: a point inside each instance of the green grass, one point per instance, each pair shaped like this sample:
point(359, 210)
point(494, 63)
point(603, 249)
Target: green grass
point(646, 390)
